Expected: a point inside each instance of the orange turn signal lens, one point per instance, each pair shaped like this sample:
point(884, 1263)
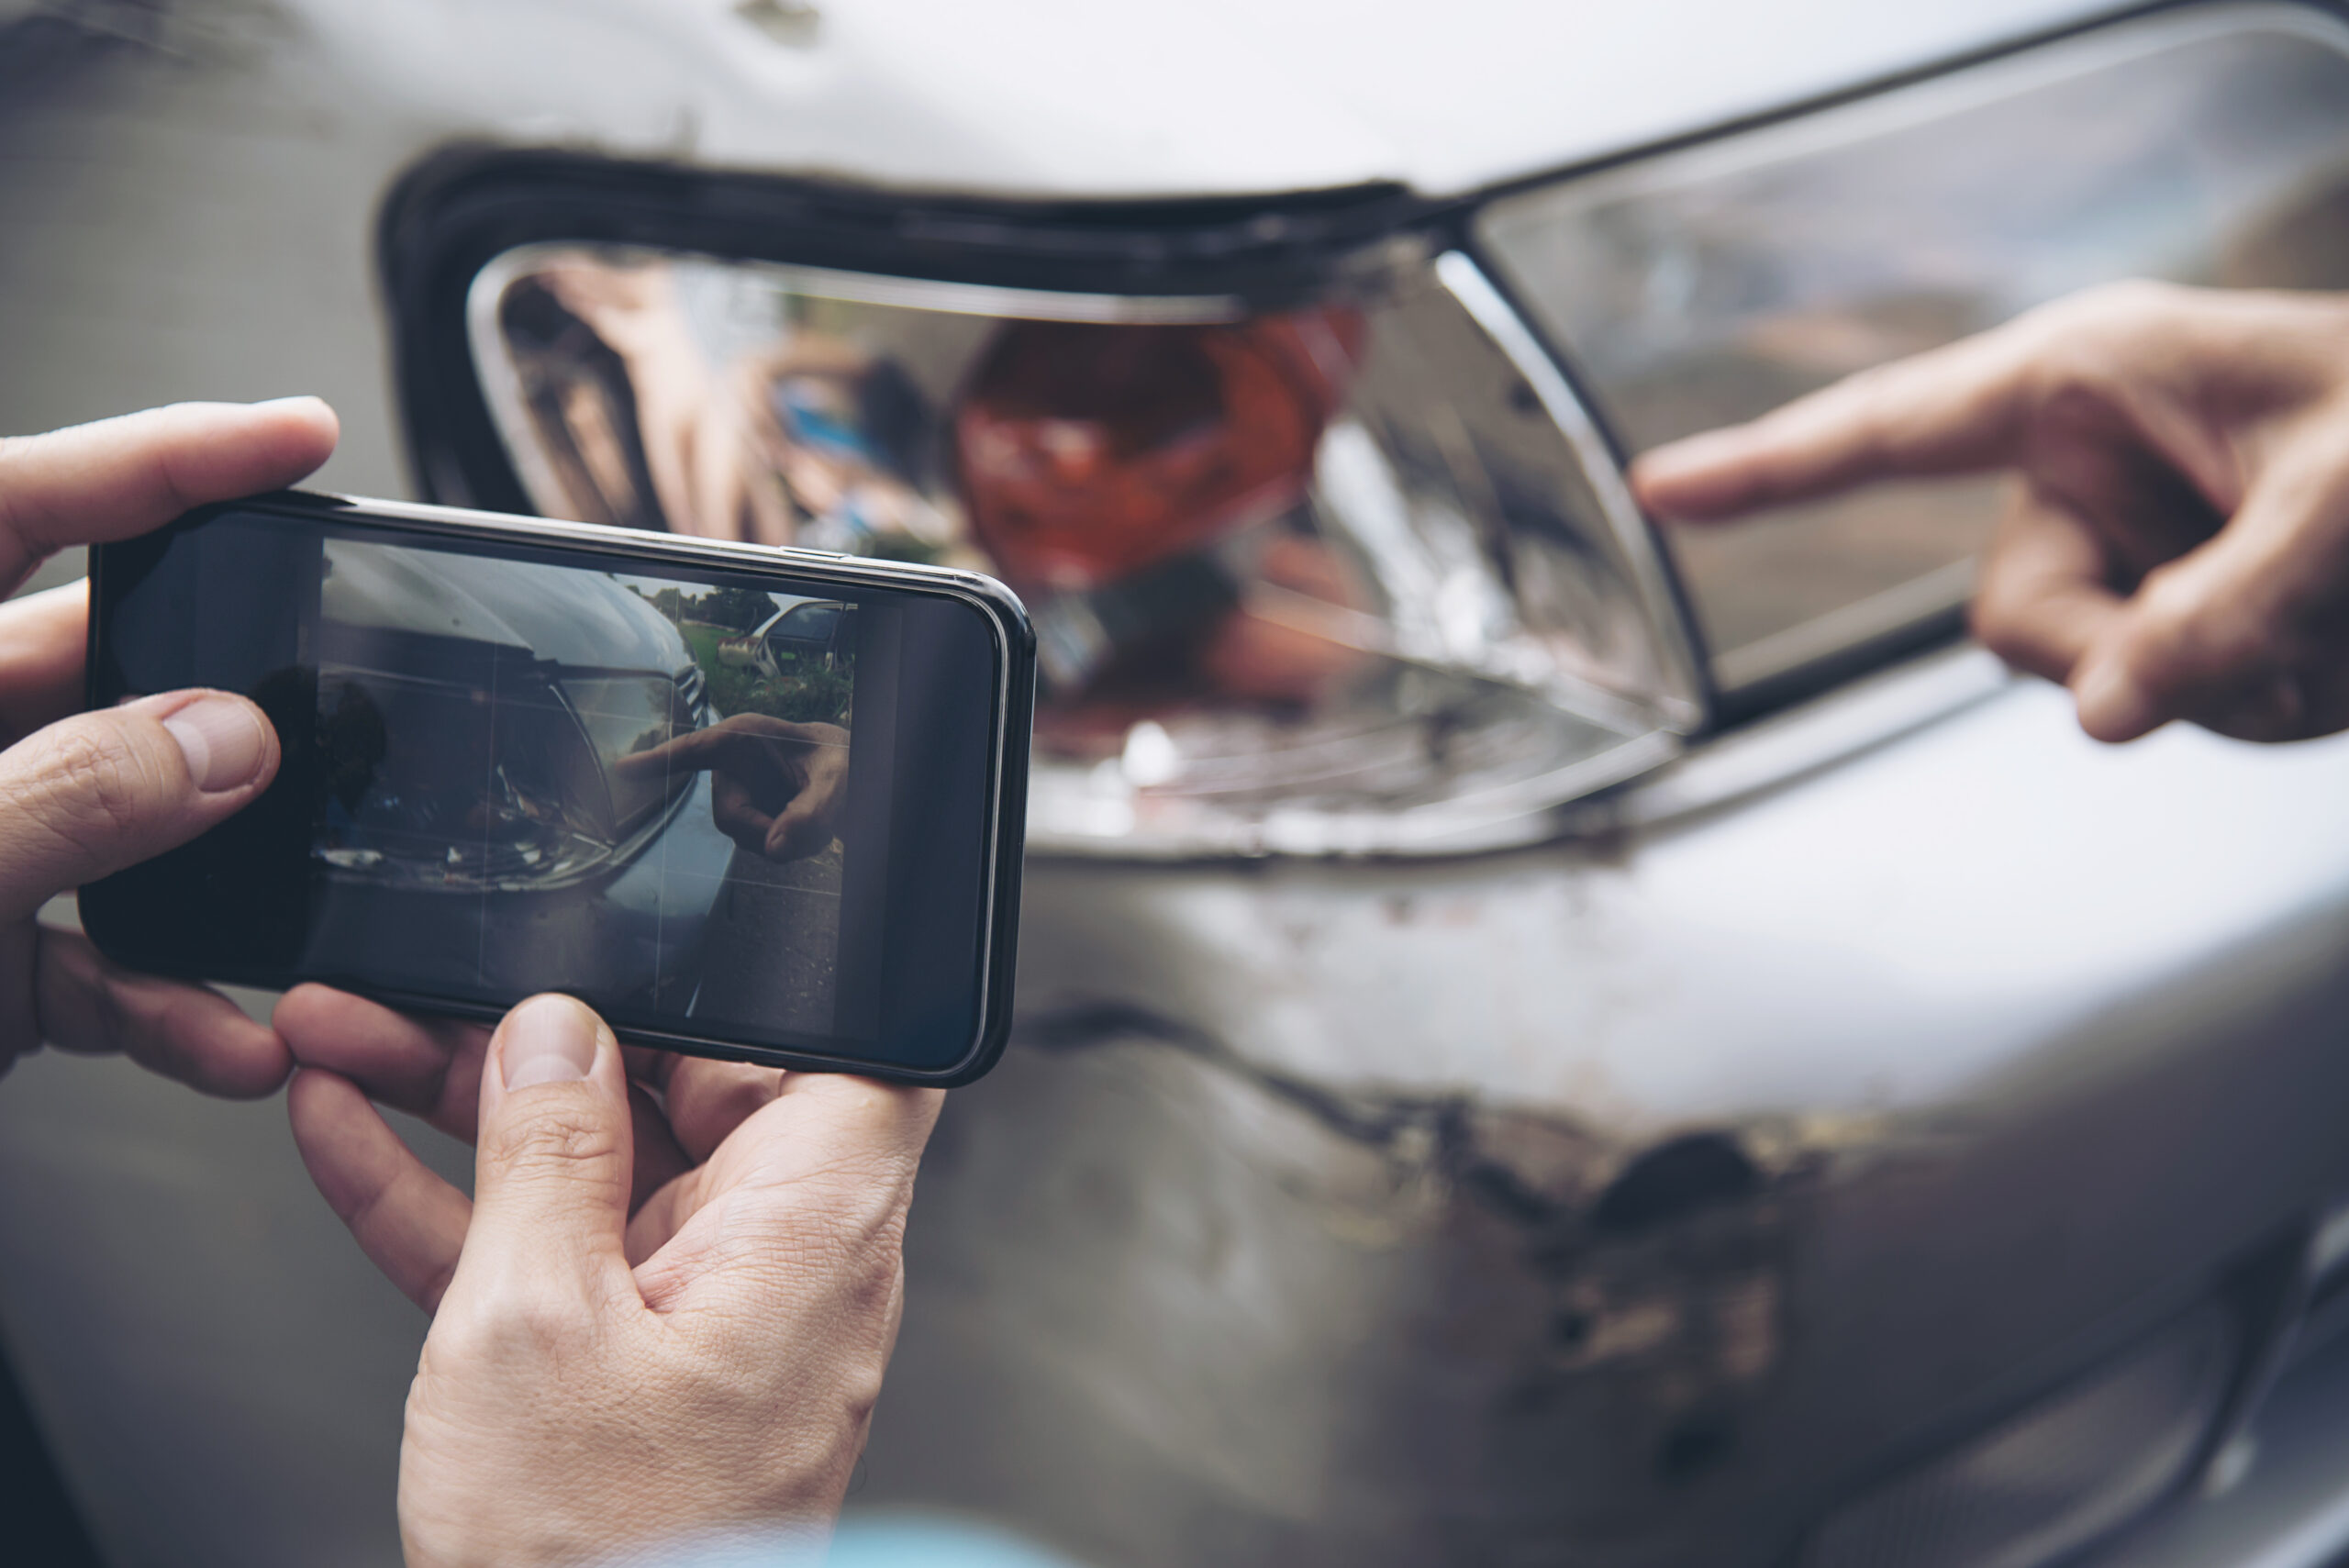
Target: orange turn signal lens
point(1087, 452)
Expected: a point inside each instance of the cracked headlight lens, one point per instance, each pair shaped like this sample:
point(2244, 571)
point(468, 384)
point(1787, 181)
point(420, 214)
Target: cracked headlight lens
point(1350, 573)
point(501, 783)
point(507, 795)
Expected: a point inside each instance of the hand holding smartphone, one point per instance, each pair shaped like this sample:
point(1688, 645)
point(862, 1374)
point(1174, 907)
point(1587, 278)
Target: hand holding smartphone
point(747, 803)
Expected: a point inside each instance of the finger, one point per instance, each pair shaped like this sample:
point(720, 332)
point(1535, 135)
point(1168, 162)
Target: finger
point(42, 641)
point(827, 1167)
point(552, 1180)
point(86, 1004)
point(1955, 410)
point(97, 791)
point(702, 1101)
point(802, 828)
point(693, 752)
point(737, 816)
point(718, 456)
point(708, 1100)
point(770, 509)
point(659, 1161)
point(427, 1067)
point(409, 1222)
point(665, 428)
point(659, 1215)
point(120, 477)
point(2043, 596)
point(2221, 636)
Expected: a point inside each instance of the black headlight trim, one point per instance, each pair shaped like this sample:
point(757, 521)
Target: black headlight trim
point(458, 209)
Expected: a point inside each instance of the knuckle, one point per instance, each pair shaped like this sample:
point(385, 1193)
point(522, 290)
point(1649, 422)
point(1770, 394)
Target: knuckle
point(88, 782)
point(2109, 310)
point(2183, 637)
point(2073, 377)
point(565, 1133)
point(2130, 300)
point(15, 452)
point(514, 1325)
point(860, 1381)
point(2078, 341)
point(1998, 623)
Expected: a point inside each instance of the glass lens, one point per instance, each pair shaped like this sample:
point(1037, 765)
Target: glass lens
point(623, 715)
point(1709, 286)
point(1328, 576)
point(505, 798)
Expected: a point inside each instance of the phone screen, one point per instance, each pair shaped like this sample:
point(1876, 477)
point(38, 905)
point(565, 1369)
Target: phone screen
point(717, 804)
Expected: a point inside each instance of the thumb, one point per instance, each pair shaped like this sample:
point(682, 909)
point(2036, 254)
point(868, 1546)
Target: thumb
point(551, 1179)
point(2234, 633)
point(90, 795)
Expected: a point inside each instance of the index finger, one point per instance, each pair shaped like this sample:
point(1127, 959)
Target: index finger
point(429, 1068)
point(120, 477)
point(830, 1157)
point(43, 640)
point(1950, 410)
point(694, 751)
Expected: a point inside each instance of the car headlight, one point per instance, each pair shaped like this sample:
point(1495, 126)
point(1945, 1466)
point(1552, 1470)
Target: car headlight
point(1709, 284)
point(512, 789)
point(1348, 571)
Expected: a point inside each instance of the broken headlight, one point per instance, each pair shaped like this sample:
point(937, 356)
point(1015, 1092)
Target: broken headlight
point(1348, 572)
point(501, 783)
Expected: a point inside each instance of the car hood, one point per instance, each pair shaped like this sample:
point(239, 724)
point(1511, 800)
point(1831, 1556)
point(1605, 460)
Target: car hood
point(1080, 99)
point(572, 617)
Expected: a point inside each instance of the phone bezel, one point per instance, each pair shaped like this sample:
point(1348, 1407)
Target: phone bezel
point(1006, 810)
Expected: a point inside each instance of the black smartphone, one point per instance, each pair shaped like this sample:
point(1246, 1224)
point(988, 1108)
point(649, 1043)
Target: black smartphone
point(748, 803)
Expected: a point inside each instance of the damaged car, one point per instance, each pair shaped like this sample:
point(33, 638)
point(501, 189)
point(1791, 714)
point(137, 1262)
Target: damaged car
point(1545, 1037)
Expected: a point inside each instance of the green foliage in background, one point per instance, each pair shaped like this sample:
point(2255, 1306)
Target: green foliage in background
point(739, 608)
point(808, 695)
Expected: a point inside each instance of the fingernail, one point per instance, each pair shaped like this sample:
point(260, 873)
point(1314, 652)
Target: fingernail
point(547, 1040)
point(222, 739)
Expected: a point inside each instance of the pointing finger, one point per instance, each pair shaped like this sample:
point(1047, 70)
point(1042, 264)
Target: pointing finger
point(1951, 410)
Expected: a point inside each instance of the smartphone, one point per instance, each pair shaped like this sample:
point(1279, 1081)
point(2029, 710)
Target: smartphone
point(759, 804)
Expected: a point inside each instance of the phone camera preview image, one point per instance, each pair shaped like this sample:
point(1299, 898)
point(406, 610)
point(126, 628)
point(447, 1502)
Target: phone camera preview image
point(604, 783)
point(758, 807)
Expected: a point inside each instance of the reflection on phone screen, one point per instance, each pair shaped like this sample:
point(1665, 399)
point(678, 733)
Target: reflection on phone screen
point(536, 774)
